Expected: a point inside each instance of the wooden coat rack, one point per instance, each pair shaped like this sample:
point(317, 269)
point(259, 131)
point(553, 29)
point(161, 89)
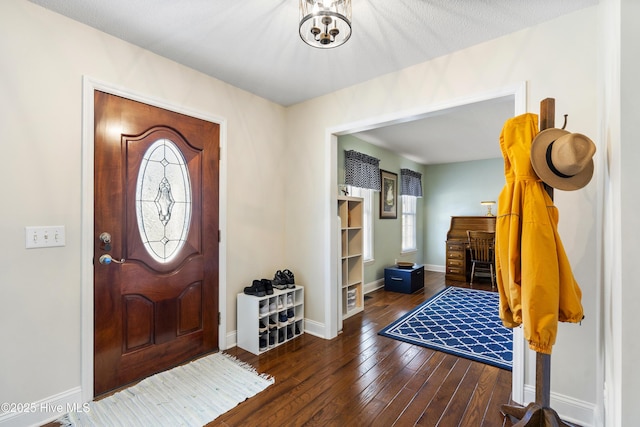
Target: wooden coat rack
point(540, 413)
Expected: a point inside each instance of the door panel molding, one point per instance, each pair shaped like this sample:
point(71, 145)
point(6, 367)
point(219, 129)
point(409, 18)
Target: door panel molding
point(89, 85)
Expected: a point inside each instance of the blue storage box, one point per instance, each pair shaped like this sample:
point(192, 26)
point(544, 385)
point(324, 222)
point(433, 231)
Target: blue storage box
point(404, 280)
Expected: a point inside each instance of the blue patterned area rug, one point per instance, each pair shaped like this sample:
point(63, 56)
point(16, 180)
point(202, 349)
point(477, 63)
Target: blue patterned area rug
point(459, 321)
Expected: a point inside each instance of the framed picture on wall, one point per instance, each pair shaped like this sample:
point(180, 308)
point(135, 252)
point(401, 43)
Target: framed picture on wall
point(388, 195)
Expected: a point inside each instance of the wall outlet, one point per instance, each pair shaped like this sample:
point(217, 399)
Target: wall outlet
point(44, 236)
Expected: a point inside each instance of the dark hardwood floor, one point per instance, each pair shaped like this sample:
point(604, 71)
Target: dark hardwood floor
point(363, 379)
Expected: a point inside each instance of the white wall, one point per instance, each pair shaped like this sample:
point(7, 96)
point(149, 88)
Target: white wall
point(627, 152)
point(557, 59)
point(44, 58)
point(620, 127)
point(612, 259)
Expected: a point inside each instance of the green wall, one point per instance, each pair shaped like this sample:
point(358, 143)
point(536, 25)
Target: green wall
point(454, 189)
point(449, 189)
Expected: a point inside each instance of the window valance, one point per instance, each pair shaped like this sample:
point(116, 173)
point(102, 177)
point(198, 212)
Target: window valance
point(361, 170)
point(410, 183)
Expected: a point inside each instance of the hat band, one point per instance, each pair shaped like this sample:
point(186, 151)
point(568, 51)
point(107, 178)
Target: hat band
point(550, 163)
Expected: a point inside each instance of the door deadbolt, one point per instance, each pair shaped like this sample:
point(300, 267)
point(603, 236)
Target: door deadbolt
point(105, 238)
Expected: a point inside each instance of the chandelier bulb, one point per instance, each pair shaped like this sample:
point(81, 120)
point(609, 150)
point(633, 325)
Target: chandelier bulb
point(325, 24)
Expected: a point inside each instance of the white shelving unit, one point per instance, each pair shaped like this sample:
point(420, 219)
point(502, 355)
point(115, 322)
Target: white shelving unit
point(284, 311)
point(351, 255)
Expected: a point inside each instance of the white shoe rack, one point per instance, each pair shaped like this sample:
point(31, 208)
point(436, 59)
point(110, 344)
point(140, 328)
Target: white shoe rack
point(285, 310)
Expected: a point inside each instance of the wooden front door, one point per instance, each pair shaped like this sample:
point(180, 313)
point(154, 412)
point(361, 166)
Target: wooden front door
point(156, 216)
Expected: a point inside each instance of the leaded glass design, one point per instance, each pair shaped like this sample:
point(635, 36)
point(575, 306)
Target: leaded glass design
point(163, 200)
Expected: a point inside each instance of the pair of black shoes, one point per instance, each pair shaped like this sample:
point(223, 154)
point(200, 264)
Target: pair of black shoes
point(260, 288)
point(284, 279)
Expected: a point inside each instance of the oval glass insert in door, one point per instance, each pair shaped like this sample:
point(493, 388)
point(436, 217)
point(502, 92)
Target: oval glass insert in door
point(163, 200)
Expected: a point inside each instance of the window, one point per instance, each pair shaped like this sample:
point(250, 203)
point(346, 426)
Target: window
point(163, 200)
point(410, 190)
point(367, 218)
point(409, 223)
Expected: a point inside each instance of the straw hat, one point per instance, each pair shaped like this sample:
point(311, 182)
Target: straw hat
point(563, 160)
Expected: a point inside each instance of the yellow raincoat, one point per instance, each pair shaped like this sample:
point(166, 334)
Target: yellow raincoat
point(535, 282)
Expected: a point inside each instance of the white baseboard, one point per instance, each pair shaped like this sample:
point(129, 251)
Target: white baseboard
point(569, 409)
point(231, 340)
point(372, 286)
point(316, 329)
point(436, 268)
point(42, 411)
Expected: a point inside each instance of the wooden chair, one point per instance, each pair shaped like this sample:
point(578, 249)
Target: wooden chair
point(481, 244)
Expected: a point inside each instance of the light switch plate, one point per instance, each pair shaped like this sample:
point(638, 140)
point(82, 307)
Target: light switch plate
point(44, 236)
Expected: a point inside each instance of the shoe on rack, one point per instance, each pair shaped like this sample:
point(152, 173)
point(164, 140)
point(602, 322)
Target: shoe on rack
point(289, 333)
point(264, 309)
point(263, 344)
point(261, 288)
point(272, 325)
point(290, 315)
point(281, 335)
point(268, 287)
point(290, 278)
point(279, 281)
point(280, 304)
point(297, 330)
point(262, 327)
point(289, 300)
point(272, 340)
point(257, 289)
point(272, 306)
point(283, 319)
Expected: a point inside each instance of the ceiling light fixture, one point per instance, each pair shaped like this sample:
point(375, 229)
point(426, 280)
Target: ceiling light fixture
point(325, 23)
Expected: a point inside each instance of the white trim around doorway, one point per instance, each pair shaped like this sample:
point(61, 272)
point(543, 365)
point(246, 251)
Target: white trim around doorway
point(519, 92)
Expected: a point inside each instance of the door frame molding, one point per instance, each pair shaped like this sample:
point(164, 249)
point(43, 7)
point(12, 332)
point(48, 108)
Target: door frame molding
point(519, 92)
point(89, 85)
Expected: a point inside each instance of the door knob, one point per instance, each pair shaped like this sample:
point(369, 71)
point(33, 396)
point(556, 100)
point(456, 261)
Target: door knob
point(107, 259)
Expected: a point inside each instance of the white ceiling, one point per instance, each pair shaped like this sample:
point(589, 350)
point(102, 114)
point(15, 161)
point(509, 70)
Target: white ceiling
point(254, 45)
point(458, 134)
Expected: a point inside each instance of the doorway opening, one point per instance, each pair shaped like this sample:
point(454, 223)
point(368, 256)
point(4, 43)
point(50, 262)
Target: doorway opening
point(518, 94)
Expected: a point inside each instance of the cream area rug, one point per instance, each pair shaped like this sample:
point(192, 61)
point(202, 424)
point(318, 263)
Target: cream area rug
point(189, 395)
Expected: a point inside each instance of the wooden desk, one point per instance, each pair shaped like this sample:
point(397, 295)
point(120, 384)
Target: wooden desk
point(457, 256)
